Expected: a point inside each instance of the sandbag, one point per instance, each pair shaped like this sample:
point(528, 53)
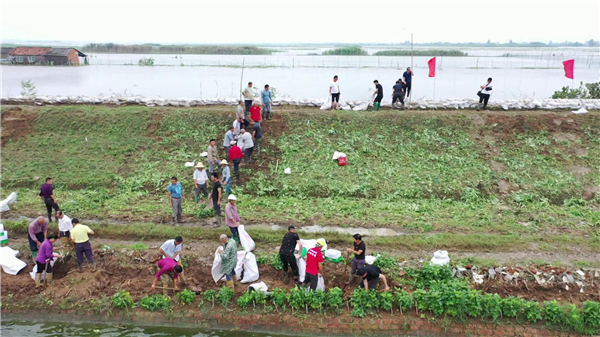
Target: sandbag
point(245, 239)
point(239, 266)
point(216, 267)
point(440, 258)
point(370, 259)
point(321, 284)
point(9, 261)
point(250, 268)
point(8, 201)
point(260, 286)
point(301, 268)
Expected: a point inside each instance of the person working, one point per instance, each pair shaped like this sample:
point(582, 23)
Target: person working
point(257, 135)
point(314, 265)
point(43, 260)
point(371, 275)
point(47, 195)
point(172, 248)
point(212, 157)
point(359, 252)
point(484, 93)
point(236, 155)
point(200, 180)
point(38, 233)
point(407, 79)
point(168, 270)
point(398, 93)
point(64, 228)
point(378, 95)
point(229, 137)
point(232, 217)
point(228, 260)
point(248, 94)
point(255, 112)
point(237, 125)
point(215, 196)
point(226, 176)
point(286, 254)
point(240, 114)
point(175, 192)
point(247, 145)
point(79, 234)
point(334, 91)
point(266, 97)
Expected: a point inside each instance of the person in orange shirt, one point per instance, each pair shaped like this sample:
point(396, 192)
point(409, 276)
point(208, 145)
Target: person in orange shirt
point(255, 112)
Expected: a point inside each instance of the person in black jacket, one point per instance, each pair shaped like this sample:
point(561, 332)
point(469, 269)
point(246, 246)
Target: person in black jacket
point(286, 254)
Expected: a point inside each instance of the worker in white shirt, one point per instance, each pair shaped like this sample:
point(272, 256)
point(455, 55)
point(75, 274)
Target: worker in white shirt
point(246, 144)
point(171, 248)
point(64, 228)
point(200, 179)
point(484, 93)
point(334, 91)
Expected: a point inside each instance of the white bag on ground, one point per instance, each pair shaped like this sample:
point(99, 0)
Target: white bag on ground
point(250, 268)
point(260, 286)
point(321, 284)
point(301, 268)
point(216, 267)
point(8, 201)
point(9, 261)
point(245, 239)
point(338, 155)
point(440, 258)
point(370, 259)
point(34, 271)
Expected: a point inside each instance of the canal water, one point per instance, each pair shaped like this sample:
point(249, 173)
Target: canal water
point(47, 329)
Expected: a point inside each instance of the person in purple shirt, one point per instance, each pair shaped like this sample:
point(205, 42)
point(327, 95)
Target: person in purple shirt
point(38, 232)
point(47, 195)
point(43, 259)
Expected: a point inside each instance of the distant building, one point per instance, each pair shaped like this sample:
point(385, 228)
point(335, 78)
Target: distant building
point(45, 55)
point(5, 54)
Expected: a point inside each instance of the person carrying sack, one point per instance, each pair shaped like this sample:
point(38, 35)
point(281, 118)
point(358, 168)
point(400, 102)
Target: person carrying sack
point(484, 93)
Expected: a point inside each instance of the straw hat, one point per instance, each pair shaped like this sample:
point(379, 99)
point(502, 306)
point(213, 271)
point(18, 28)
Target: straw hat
point(223, 162)
point(199, 165)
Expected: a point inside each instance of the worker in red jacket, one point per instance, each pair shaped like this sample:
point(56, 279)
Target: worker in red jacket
point(255, 112)
point(236, 155)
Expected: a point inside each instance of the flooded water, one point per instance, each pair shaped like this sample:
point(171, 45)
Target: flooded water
point(47, 329)
point(525, 72)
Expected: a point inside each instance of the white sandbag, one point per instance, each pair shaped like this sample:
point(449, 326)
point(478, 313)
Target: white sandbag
point(9, 261)
point(216, 267)
point(8, 201)
point(308, 244)
point(301, 268)
point(338, 155)
point(250, 268)
point(239, 266)
point(333, 254)
point(440, 258)
point(370, 259)
point(260, 286)
point(580, 111)
point(287, 171)
point(321, 284)
point(246, 240)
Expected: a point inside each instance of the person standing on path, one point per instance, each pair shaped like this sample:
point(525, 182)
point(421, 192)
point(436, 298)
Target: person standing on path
point(79, 234)
point(314, 265)
point(229, 137)
point(370, 277)
point(407, 78)
point(240, 114)
point(38, 233)
point(47, 195)
point(232, 217)
point(237, 126)
point(267, 98)
point(228, 260)
point(175, 192)
point(172, 248)
point(236, 155)
point(43, 260)
point(213, 158)
point(359, 252)
point(255, 112)
point(200, 180)
point(168, 270)
point(257, 135)
point(216, 195)
point(64, 228)
point(246, 144)
point(398, 93)
point(484, 93)
point(226, 176)
point(248, 94)
point(378, 95)
point(286, 254)
point(334, 91)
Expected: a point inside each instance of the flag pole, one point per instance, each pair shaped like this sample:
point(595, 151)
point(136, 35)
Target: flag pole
point(242, 77)
point(434, 89)
point(412, 55)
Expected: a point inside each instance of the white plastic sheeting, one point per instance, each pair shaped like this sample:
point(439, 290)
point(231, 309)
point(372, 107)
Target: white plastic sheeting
point(445, 103)
point(440, 258)
point(9, 261)
point(216, 267)
point(11, 199)
point(245, 239)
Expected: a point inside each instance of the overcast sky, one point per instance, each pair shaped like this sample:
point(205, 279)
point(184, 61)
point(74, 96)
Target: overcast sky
point(284, 21)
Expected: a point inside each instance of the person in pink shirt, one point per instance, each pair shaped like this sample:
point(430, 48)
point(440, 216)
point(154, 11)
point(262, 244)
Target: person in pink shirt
point(255, 112)
point(232, 217)
point(168, 269)
point(314, 265)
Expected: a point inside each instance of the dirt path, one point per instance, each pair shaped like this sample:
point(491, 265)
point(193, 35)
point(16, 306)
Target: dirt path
point(16, 123)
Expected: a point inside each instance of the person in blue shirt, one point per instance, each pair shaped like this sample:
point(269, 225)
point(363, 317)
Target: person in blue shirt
point(175, 192)
point(266, 99)
point(407, 78)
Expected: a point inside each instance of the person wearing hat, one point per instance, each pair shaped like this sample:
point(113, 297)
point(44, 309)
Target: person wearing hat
point(226, 176)
point(229, 137)
point(200, 179)
point(232, 217)
point(370, 277)
point(212, 157)
point(314, 265)
point(286, 253)
point(236, 155)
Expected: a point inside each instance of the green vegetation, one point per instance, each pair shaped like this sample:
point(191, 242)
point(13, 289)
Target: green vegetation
point(122, 300)
point(224, 296)
point(146, 61)
point(112, 48)
point(351, 51)
point(421, 52)
point(273, 260)
point(587, 91)
point(186, 296)
point(28, 88)
point(156, 302)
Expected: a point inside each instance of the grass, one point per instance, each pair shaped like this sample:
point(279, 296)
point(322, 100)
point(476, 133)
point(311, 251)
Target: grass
point(429, 173)
point(425, 52)
point(352, 51)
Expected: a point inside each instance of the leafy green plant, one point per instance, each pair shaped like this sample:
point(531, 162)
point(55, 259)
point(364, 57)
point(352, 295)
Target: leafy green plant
point(185, 262)
point(209, 295)
point(512, 307)
point(296, 298)
point(138, 246)
point(146, 61)
point(491, 306)
point(405, 300)
point(335, 298)
point(186, 296)
point(245, 300)
point(28, 88)
point(532, 310)
point(386, 263)
point(591, 314)
point(358, 301)
point(224, 296)
point(278, 297)
point(156, 302)
point(386, 301)
point(316, 299)
point(274, 260)
point(553, 313)
point(428, 273)
point(122, 300)
point(587, 91)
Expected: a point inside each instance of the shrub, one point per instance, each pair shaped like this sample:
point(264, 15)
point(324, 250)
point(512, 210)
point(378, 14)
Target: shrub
point(512, 307)
point(186, 296)
point(587, 91)
point(553, 313)
point(346, 51)
point(122, 300)
point(491, 306)
point(209, 295)
point(296, 298)
point(533, 312)
point(404, 300)
point(316, 299)
point(245, 300)
point(591, 314)
point(156, 302)
point(386, 263)
point(224, 296)
point(423, 277)
point(334, 298)
point(278, 297)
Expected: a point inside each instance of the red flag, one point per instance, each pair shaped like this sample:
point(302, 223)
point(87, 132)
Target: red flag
point(569, 68)
point(431, 64)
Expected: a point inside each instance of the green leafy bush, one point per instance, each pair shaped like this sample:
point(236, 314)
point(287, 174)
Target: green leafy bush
point(533, 312)
point(186, 296)
point(358, 301)
point(405, 300)
point(512, 307)
point(346, 51)
point(245, 300)
point(492, 306)
point(386, 300)
point(591, 314)
point(428, 273)
point(587, 91)
point(122, 300)
point(334, 298)
point(274, 260)
point(156, 302)
point(553, 313)
point(278, 297)
point(209, 295)
point(297, 298)
point(224, 296)
point(316, 299)
point(386, 263)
